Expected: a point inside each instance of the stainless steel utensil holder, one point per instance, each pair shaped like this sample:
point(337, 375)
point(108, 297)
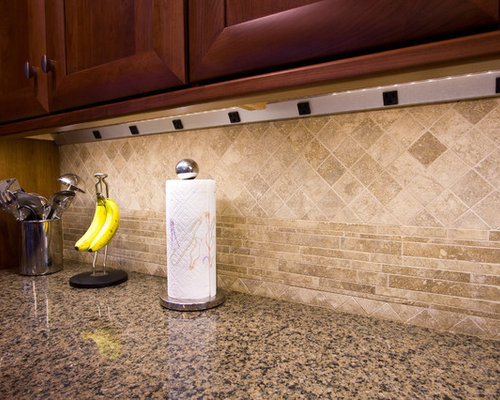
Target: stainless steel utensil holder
point(41, 247)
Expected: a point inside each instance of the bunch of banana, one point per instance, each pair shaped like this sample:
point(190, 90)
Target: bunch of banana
point(103, 227)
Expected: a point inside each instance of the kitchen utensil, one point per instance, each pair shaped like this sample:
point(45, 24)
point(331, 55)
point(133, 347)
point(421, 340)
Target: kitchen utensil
point(71, 180)
point(8, 203)
point(59, 202)
point(30, 206)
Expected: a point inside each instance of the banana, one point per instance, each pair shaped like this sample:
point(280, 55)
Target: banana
point(98, 221)
point(109, 228)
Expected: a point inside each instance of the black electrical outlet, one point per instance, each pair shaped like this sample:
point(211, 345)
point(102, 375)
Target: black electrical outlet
point(134, 130)
point(390, 98)
point(497, 86)
point(234, 117)
point(304, 108)
point(177, 124)
point(97, 134)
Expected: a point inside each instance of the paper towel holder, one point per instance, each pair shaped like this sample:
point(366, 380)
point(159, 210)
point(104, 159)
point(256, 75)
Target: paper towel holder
point(187, 169)
point(194, 305)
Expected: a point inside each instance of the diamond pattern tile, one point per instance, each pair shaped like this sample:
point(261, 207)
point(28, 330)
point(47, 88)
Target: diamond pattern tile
point(431, 165)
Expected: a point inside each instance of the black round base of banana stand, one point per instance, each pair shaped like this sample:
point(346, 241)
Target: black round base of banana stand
point(89, 280)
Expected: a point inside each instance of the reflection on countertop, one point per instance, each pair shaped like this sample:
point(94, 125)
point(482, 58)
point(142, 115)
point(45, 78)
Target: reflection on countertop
point(119, 343)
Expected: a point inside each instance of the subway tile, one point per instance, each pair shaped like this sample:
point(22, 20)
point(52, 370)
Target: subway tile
point(444, 287)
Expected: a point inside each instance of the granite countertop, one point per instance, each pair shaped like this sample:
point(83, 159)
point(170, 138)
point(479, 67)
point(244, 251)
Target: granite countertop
point(119, 343)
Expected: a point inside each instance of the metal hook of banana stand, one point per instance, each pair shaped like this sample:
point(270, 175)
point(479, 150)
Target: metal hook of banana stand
point(108, 277)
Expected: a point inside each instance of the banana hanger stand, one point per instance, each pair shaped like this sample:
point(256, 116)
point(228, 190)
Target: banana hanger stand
point(105, 277)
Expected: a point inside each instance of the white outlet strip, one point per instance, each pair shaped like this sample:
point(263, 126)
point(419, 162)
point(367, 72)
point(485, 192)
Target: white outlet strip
point(451, 88)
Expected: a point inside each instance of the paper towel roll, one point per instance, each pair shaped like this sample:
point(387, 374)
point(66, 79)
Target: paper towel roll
point(190, 213)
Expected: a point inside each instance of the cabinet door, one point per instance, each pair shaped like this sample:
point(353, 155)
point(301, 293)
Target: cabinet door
point(22, 37)
point(241, 36)
point(103, 50)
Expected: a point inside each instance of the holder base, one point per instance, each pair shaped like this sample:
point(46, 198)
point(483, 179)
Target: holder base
point(194, 305)
point(86, 280)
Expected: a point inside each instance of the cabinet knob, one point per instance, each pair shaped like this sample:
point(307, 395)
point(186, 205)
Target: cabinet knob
point(47, 64)
point(29, 70)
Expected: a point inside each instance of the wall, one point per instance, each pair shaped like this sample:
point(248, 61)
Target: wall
point(390, 213)
point(35, 164)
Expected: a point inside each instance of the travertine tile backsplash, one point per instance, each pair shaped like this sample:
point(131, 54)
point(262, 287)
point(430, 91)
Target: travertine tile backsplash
point(391, 213)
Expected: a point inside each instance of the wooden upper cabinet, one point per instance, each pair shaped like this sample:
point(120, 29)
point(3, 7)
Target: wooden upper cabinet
point(103, 50)
point(22, 40)
point(244, 36)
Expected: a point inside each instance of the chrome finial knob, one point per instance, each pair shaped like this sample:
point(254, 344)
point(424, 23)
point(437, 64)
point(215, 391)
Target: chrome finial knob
point(187, 169)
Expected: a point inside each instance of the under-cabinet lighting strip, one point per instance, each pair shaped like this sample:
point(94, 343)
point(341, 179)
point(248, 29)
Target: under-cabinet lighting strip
point(461, 87)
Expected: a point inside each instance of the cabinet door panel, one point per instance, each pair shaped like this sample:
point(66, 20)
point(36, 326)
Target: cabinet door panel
point(21, 40)
point(223, 41)
point(104, 50)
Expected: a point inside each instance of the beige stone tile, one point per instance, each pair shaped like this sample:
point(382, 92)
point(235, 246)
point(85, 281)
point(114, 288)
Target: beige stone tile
point(331, 169)
point(315, 124)
point(257, 186)
point(330, 204)
point(446, 208)
point(428, 114)
point(385, 150)
point(426, 149)
point(300, 204)
point(330, 135)
point(427, 273)
point(348, 151)
point(346, 215)
point(285, 126)
point(300, 171)
point(286, 154)
point(425, 188)
point(385, 188)
point(307, 145)
point(244, 202)
point(315, 214)
point(405, 168)
point(474, 110)
point(488, 168)
point(384, 217)
point(271, 171)
point(449, 252)
point(469, 220)
point(471, 188)
point(494, 236)
point(488, 210)
point(371, 246)
point(369, 306)
point(406, 129)
point(472, 147)
point(386, 312)
point(351, 306)
point(450, 127)
point(366, 206)
point(448, 168)
point(490, 125)
point(404, 206)
point(315, 187)
point(445, 287)
point(366, 169)
point(469, 327)
point(348, 187)
point(367, 133)
point(349, 121)
point(284, 186)
point(372, 278)
point(384, 118)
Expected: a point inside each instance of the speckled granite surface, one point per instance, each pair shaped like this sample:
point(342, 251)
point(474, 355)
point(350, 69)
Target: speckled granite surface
point(58, 342)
